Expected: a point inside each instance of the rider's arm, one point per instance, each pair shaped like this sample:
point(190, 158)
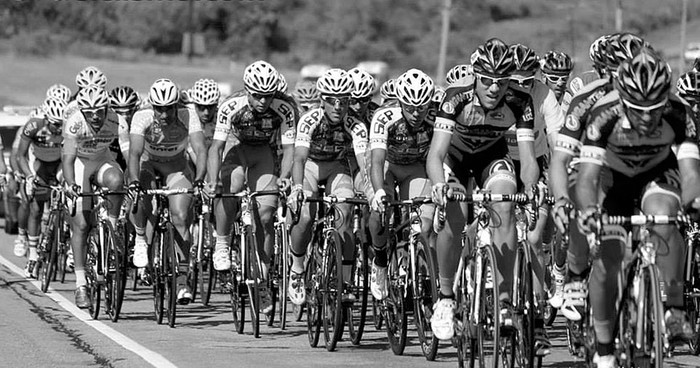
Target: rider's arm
point(558, 174)
point(124, 137)
point(690, 179)
point(200, 149)
point(688, 156)
point(553, 116)
point(22, 160)
point(287, 161)
point(529, 170)
point(439, 146)
point(288, 132)
point(214, 160)
point(300, 155)
point(376, 169)
point(587, 184)
point(68, 155)
point(136, 143)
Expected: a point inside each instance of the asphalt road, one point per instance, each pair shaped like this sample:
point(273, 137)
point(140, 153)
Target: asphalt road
point(46, 330)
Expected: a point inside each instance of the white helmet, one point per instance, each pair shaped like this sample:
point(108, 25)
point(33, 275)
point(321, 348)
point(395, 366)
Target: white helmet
point(205, 92)
point(414, 88)
point(91, 75)
point(261, 77)
point(92, 97)
point(163, 93)
point(282, 87)
point(59, 91)
point(335, 82)
point(53, 108)
point(364, 83)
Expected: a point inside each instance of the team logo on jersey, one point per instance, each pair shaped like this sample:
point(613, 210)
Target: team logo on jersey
point(576, 85)
point(266, 123)
point(75, 127)
point(497, 115)
point(448, 107)
point(572, 123)
point(690, 128)
point(593, 132)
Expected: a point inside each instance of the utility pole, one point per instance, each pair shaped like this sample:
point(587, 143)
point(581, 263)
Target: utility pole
point(681, 49)
point(446, 10)
point(190, 29)
point(618, 16)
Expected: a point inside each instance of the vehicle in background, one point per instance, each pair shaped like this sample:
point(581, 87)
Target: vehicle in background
point(312, 72)
point(11, 119)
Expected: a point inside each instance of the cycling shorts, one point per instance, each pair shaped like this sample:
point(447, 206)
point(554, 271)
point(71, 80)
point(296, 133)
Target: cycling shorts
point(486, 167)
point(252, 164)
point(336, 175)
point(47, 172)
point(88, 171)
point(412, 181)
point(175, 174)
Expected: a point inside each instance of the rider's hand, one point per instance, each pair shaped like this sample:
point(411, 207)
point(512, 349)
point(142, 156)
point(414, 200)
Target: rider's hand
point(134, 189)
point(562, 210)
point(72, 190)
point(29, 186)
point(3, 179)
point(297, 194)
point(692, 209)
point(438, 193)
point(211, 188)
point(588, 219)
point(378, 201)
point(284, 184)
point(198, 186)
point(536, 193)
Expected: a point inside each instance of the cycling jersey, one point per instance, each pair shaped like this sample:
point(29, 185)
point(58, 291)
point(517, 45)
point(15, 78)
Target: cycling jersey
point(82, 139)
point(570, 135)
point(250, 127)
point(45, 144)
point(577, 83)
point(403, 144)
point(165, 142)
point(327, 142)
point(369, 113)
point(475, 129)
point(611, 141)
point(549, 118)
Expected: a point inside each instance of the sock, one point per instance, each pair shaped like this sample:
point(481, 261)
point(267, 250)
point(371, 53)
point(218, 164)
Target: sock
point(443, 296)
point(22, 233)
point(446, 285)
point(140, 231)
point(380, 257)
point(33, 242)
point(222, 241)
point(297, 263)
point(80, 279)
point(605, 348)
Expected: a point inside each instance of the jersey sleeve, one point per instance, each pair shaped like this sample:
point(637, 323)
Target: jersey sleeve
point(73, 125)
point(141, 121)
point(521, 104)
point(307, 123)
point(597, 132)
point(30, 129)
point(685, 127)
point(289, 115)
point(453, 103)
point(379, 128)
point(123, 134)
point(360, 136)
point(193, 123)
point(223, 119)
point(553, 115)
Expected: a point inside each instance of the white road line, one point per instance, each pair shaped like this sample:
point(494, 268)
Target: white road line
point(148, 355)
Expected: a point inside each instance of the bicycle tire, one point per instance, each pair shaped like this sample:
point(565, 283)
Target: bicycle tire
point(358, 284)
point(116, 272)
point(691, 292)
point(171, 273)
point(285, 263)
point(49, 263)
point(487, 329)
point(65, 247)
point(463, 336)
point(206, 265)
point(91, 265)
point(395, 304)
point(652, 354)
point(425, 285)
point(158, 269)
point(252, 277)
point(193, 276)
point(332, 290)
point(312, 283)
point(524, 305)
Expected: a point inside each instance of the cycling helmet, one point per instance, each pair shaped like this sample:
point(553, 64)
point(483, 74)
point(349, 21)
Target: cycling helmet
point(439, 94)
point(458, 72)
point(335, 82)
point(493, 58)
point(621, 47)
point(555, 62)
point(689, 85)
point(364, 83)
point(645, 80)
point(414, 88)
point(92, 97)
point(163, 92)
point(91, 75)
point(59, 91)
point(597, 51)
point(53, 108)
point(124, 97)
point(388, 89)
point(282, 87)
point(261, 77)
point(306, 92)
point(205, 92)
point(524, 58)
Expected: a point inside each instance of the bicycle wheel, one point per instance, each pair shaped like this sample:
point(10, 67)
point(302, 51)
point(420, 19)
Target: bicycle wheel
point(171, 272)
point(312, 283)
point(487, 341)
point(692, 295)
point(649, 340)
point(358, 287)
point(64, 247)
point(252, 279)
point(283, 274)
point(332, 290)
point(394, 303)
point(206, 266)
point(195, 266)
point(524, 308)
point(50, 256)
point(463, 337)
point(91, 266)
point(116, 272)
point(425, 293)
point(159, 275)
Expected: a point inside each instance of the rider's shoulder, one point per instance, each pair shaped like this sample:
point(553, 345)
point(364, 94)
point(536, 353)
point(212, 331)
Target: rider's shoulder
point(312, 116)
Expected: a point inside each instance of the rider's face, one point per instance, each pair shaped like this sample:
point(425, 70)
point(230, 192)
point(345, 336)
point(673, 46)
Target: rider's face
point(414, 115)
point(335, 107)
point(260, 102)
point(94, 116)
point(206, 113)
point(645, 120)
point(164, 114)
point(490, 90)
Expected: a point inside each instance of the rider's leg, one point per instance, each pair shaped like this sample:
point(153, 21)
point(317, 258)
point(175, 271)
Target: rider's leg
point(301, 232)
point(110, 175)
point(261, 176)
point(340, 184)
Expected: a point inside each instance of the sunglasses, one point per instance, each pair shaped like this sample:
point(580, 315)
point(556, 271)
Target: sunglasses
point(342, 101)
point(206, 107)
point(361, 100)
point(556, 79)
point(488, 81)
point(415, 109)
point(93, 111)
point(162, 109)
point(260, 96)
point(644, 109)
point(523, 82)
point(54, 122)
point(125, 111)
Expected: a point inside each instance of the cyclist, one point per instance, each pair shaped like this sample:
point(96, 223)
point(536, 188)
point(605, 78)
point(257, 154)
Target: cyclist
point(87, 135)
point(468, 139)
point(361, 104)
point(597, 53)
point(124, 101)
point(399, 141)
point(548, 119)
point(44, 137)
point(388, 93)
point(325, 137)
point(259, 118)
point(556, 70)
point(89, 76)
point(688, 87)
point(205, 96)
point(306, 96)
point(438, 95)
point(158, 143)
point(570, 296)
point(15, 186)
point(459, 74)
point(631, 131)
point(283, 86)
point(59, 91)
